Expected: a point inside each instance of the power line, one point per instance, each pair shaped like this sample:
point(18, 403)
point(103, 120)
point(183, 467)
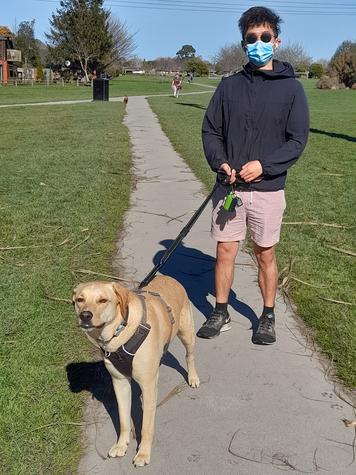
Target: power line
point(293, 4)
point(188, 8)
point(210, 7)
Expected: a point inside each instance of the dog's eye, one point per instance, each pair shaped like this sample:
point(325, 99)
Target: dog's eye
point(80, 300)
point(103, 300)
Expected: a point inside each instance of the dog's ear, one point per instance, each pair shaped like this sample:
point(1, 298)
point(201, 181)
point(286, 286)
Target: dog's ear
point(75, 290)
point(122, 295)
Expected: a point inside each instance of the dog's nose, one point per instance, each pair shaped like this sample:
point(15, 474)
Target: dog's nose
point(85, 316)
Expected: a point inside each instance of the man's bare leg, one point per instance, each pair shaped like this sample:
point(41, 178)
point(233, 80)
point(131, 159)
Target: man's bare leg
point(224, 269)
point(267, 273)
point(267, 280)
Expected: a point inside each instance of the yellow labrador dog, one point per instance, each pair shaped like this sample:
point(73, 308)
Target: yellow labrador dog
point(133, 329)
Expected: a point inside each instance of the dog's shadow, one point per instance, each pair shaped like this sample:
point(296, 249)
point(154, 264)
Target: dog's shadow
point(94, 378)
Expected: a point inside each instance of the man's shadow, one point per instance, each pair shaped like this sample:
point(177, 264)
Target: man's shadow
point(195, 271)
point(197, 106)
point(336, 135)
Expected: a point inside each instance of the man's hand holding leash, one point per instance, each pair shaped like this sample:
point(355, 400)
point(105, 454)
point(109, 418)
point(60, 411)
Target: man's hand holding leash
point(225, 167)
point(251, 171)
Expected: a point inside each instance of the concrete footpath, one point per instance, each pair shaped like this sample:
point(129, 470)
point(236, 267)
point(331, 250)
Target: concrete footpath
point(259, 410)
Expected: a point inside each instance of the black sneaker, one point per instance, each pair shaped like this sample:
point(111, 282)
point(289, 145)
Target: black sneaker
point(265, 333)
point(218, 322)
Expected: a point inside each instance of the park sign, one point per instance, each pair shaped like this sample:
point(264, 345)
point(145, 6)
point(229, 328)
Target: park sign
point(13, 55)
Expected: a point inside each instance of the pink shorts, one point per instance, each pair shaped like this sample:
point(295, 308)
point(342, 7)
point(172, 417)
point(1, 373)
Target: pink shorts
point(261, 212)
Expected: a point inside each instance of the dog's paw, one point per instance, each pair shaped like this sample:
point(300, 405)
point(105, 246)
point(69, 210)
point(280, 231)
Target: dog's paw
point(118, 450)
point(193, 381)
point(141, 459)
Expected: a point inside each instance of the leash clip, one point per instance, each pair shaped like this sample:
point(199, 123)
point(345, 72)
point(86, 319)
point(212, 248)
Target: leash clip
point(119, 329)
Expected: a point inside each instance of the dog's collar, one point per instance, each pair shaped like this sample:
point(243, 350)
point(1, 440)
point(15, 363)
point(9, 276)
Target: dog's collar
point(122, 358)
point(123, 324)
point(143, 323)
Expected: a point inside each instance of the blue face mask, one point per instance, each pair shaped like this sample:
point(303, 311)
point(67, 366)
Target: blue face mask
point(259, 53)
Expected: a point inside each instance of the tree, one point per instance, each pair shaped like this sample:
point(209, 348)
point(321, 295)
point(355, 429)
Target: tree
point(294, 54)
point(80, 32)
point(122, 43)
point(197, 66)
point(324, 62)
point(40, 72)
point(229, 58)
point(167, 64)
point(26, 42)
point(186, 52)
point(43, 51)
point(135, 63)
point(316, 70)
point(345, 47)
point(343, 63)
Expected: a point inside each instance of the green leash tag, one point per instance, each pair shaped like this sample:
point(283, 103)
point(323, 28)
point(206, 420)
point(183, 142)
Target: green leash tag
point(230, 201)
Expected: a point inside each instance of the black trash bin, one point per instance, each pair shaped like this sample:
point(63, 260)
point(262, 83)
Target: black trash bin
point(100, 89)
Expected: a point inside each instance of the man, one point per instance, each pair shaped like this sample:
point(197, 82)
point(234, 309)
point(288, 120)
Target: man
point(255, 128)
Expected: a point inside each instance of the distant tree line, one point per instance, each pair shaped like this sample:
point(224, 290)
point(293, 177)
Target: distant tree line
point(340, 71)
point(185, 60)
point(86, 34)
point(232, 57)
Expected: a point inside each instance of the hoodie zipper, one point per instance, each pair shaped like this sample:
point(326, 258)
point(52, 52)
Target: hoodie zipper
point(251, 122)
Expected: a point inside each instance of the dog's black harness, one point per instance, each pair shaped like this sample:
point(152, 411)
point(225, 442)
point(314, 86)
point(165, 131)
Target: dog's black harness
point(123, 357)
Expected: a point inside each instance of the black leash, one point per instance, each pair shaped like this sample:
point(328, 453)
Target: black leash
point(222, 178)
point(177, 241)
point(123, 357)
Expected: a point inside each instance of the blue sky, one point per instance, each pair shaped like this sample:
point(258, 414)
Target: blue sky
point(163, 32)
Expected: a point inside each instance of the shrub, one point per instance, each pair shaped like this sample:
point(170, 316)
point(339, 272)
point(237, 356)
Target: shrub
point(327, 82)
point(343, 63)
point(316, 70)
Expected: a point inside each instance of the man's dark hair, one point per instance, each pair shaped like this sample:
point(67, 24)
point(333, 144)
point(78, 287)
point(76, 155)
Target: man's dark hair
point(256, 16)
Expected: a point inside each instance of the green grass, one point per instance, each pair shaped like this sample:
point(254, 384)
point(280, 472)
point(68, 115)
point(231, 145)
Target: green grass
point(125, 85)
point(209, 81)
point(64, 179)
point(315, 193)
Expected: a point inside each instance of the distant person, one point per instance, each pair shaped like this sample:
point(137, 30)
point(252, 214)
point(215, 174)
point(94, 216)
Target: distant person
point(190, 77)
point(176, 85)
point(255, 128)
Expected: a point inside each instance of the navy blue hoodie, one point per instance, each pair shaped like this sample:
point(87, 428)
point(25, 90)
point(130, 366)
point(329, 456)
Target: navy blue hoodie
point(257, 115)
